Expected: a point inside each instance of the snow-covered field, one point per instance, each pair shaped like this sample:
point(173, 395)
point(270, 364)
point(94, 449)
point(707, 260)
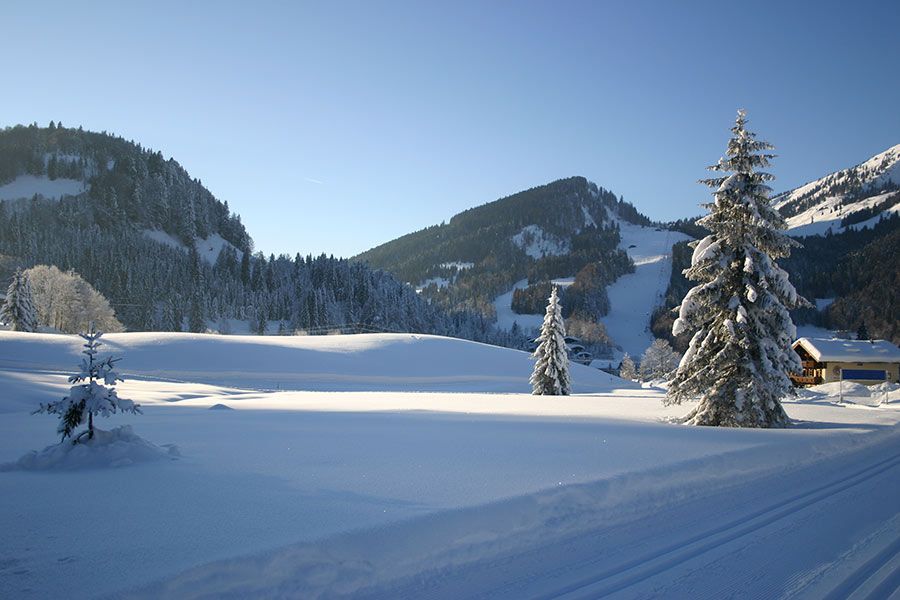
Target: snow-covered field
point(337, 476)
point(633, 297)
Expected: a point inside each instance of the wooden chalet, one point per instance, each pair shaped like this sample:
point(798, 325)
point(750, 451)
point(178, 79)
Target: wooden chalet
point(862, 361)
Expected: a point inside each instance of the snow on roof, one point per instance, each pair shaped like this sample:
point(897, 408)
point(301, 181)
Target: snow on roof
point(823, 350)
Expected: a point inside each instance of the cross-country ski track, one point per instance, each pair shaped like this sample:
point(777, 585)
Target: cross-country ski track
point(658, 556)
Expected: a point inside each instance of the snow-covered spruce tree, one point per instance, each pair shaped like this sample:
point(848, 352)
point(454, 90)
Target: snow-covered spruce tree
point(627, 370)
point(740, 354)
point(94, 393)
point(18, 308)
point(659, 361)
point(551, 368)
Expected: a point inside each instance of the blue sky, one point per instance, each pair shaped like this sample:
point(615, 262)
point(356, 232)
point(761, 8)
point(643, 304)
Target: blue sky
point(335, 126)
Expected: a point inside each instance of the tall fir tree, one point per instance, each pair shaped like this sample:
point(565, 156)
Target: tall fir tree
point(740, 354)
point(18, 309)
point(551, 368)
point(93, 394)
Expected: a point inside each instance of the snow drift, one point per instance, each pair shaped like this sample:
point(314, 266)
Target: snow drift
point(118, 447)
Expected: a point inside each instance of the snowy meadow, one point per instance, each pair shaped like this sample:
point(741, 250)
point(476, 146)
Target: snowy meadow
point(395, 465)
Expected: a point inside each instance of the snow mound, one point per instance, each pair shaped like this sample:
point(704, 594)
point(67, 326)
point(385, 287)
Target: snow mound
point(852, 393)
point(220, 406)
point(118, 447)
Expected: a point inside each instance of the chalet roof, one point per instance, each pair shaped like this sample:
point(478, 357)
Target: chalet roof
point(823, 350)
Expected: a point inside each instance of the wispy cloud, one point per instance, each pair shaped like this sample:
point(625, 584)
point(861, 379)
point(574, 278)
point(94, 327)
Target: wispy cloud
point(315, 181)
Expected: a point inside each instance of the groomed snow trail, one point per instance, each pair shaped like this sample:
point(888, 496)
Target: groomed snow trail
point(743, 542)
point(829, 528)
point(634, 296)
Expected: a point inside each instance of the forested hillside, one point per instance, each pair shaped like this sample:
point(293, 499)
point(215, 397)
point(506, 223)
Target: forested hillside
point(170, 256)
point(561, 229)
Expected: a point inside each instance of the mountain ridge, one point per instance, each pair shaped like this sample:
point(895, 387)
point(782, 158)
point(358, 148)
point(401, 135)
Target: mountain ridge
point(844, 198)
point(545, 232)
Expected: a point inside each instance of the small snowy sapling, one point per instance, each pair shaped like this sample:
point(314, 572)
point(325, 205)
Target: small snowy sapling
point(94, 394)
point(551, 367)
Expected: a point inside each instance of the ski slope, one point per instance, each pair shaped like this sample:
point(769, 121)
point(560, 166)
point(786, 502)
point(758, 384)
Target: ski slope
point(634, 296)
point(384, 491)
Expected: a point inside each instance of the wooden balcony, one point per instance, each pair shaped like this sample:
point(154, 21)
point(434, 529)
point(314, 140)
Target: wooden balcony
point(800, 380)
point(811, 364)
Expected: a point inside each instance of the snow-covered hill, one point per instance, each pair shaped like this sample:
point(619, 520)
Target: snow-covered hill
point(208, 248)
point(861, 195)
point(371, 362)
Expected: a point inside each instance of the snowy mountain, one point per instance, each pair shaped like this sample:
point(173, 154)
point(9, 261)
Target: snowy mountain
point(169, 256)
point(853, 197)
point(502, 257)
point(525, 230)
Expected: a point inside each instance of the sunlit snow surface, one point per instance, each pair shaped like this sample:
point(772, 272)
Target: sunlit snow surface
point(325, 485)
